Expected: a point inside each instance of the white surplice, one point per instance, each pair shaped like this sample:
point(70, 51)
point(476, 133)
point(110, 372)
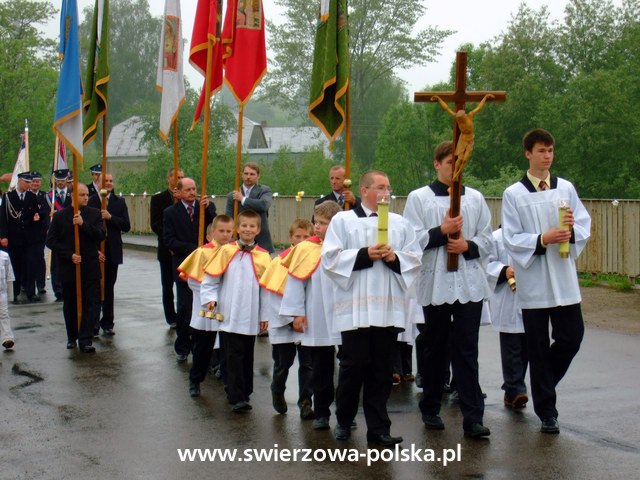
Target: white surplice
point(543, 280)
point(505, 315)
point(375, 296)
point(313, 298)
point(425, 210)
point(237, 293)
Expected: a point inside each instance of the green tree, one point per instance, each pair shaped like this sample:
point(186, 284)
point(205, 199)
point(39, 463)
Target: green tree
point(28, 82)
point(382, 41)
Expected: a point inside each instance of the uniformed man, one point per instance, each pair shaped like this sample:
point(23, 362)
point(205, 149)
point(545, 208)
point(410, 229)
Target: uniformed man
point(36, 260)
point(95, 186)
point(19, 211)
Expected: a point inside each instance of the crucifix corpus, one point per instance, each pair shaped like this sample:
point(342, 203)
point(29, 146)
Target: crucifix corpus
point(462, 131)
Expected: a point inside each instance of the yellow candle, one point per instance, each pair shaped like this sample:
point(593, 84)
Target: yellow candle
point(563, 247)
point(383, 221)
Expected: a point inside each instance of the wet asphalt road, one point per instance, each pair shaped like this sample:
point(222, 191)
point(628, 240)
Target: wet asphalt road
point(125, 411)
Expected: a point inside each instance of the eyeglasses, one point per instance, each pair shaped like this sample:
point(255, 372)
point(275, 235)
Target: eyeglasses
point(381, 188)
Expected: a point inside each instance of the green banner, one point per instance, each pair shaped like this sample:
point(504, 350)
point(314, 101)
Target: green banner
point(330, 76)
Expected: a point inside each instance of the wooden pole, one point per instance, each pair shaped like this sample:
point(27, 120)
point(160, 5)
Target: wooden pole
point(175, 151)
point(347, 154)
point(236, 204)
point(52, 181)
point(76, 238)
point(205, 139)
point(103, 200)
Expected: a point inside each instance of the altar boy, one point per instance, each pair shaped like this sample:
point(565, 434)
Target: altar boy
point(548, 290)
point(231, 288)
point(308, 298)
point(203, 328)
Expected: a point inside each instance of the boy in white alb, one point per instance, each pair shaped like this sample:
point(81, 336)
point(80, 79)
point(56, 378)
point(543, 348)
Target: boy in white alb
point(285, 343)
point(452, 301)
point(371, 282)
point(203, 328)
point(308, 298)
point(548, 290)
point(231, 288)
point(506, 319)
point(6, 276)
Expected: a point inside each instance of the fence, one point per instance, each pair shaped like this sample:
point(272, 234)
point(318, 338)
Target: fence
point(614, 246)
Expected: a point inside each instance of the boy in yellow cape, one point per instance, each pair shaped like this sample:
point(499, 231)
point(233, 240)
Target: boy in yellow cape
point(204, 328)
point(308, 298)
point(285, 343)
point(231, 289)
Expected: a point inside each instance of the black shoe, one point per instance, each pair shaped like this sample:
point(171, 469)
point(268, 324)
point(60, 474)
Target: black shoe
point(519, 401)
point(241, 407)
point(433, 422)
point(71, 344)
point(383, 439)
point(279, 403)
point(96, 333)
point(550, 425)
point(181, 358)
point(42, 291)
point(58, 298)
point(108, 332)
point(477, 430)
point(194, 389)
point(8, 343)
point(321, 423)
point(306, 412)
point(342, 433)
point(418, 380)
point(87, 348)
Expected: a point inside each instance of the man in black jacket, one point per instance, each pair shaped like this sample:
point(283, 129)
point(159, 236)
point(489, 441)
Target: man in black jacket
point(339, 192)
point(159, 202)
point(115, 216)
point(60, 197)
point(36, 261)
point(181, 224)
point(60, 240)
point(18, 213)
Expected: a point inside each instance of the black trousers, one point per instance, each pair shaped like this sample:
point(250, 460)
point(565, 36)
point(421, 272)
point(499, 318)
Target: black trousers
point(19, 256)
point(203, 342)
point(56, 282)
point(461, 323)
point(513, 354)
point(283, 355)
point(37, 265)
point(166, 279)
point(403, 363)
point(183, 341)
point(366, 363)
point(238, 351)
point(549, 362)
point(323, 361)
point(90, 310)
point(110, 277)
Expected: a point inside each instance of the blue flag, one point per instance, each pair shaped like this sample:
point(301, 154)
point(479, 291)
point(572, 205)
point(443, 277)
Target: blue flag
point(67, 123)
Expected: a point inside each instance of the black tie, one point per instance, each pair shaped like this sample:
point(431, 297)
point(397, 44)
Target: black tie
point(374, 214)
point(246, 248)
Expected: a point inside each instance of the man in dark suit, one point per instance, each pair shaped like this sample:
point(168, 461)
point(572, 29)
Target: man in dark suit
point(60, 196)
point(18, 213)
point(256, 197)
point(339, 193)
point(180, 233)
point(159, 202)
point(95, 185)
point(36, 262)
point(60, 240)
point(116, 219)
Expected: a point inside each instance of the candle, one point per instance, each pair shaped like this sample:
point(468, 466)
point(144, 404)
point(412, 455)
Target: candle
point(383, 219)
point(563, 247)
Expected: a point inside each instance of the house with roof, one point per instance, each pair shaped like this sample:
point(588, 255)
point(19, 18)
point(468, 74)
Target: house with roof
point(126, 150)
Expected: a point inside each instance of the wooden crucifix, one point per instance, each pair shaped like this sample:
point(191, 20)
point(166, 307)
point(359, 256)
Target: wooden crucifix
point(460, 97)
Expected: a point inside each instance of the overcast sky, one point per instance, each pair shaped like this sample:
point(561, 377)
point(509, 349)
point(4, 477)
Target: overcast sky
point(475, 21)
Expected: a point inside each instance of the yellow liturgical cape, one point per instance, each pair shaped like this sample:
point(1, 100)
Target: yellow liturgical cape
point(275, 276)
point(193, 266)
point(219, 263)
point(304, 258)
